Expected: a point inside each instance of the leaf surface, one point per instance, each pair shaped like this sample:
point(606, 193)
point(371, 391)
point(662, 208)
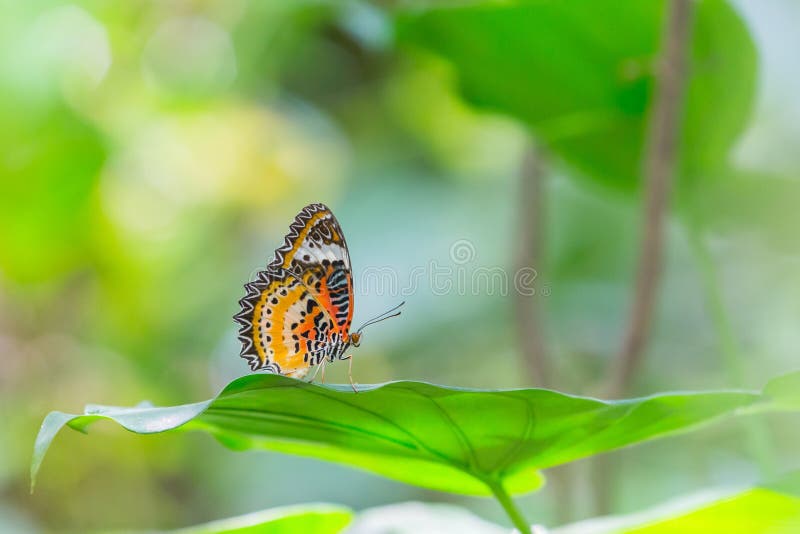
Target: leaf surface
point(456, 440)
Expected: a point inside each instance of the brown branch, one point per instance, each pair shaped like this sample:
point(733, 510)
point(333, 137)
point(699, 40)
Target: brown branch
point(530, 240)
point(530, 331)
point(659, 167)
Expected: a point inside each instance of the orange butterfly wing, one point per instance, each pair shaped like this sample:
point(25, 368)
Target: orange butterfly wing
point(316, 252)
point(299, 310)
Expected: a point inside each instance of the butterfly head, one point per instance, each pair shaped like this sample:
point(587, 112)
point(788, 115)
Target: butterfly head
point(355, 337)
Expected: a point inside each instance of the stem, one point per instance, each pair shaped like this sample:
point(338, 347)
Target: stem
point(529, 316)
point(530, 237)
point(660, 158)
point(709, 278)
point(659, 165)
point(513, 513)
point(756, 430)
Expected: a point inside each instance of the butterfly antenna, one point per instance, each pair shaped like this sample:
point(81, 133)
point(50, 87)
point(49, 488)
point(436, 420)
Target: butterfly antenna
point(388, 314)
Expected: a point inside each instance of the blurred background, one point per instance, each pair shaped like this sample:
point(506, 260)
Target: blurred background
point(153, 154)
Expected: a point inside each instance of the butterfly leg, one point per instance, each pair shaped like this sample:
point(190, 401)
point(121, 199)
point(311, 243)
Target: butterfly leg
point(350, 373)
point(314, 375)
point(323, 364)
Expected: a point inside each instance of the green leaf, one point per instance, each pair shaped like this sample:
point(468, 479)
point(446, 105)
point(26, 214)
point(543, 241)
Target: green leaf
point(785, 391)
point(580, 74)
point(318, 518)
point(773, 508)
point(457, 440)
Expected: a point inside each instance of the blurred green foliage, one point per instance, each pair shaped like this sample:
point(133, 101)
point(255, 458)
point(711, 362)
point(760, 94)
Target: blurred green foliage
point(152, 154)
point(580, 75)
point(773, 508)
point(319, 518)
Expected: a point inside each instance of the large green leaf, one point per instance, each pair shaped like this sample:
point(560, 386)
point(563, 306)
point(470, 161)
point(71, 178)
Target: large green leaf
point(772, 508)
point(318, 518)
point(579, 73)
point(456, 440)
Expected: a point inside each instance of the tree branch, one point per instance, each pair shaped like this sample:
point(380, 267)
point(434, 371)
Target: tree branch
point(530, 240)
point(532, 212)
point(659, 167)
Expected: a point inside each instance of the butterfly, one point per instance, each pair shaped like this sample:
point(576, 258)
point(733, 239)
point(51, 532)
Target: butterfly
point(299, 310)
